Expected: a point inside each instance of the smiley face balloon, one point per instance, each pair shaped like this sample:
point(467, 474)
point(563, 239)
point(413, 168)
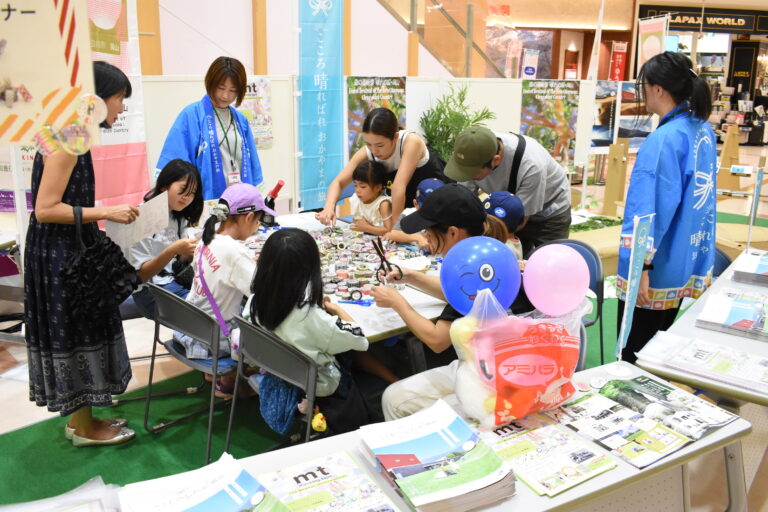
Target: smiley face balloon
point(474, 264)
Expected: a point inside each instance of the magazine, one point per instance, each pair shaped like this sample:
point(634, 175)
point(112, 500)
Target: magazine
point(333, 482)
point(223, 486)
point(437, 461)
point(546, 456)
point(630, 435)
point(752, 269)
point(736, 312)
point(710, 360)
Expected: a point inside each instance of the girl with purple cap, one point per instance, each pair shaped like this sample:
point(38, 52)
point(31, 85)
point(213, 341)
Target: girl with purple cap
point(223, 266)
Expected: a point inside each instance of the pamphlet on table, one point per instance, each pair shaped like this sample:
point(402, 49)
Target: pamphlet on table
point(752, 268)
point(223, 486)
point(641, 420)
point(710, 360)
point(435, 460)
point(333, 482)
point(547, 457)
point(736, 312)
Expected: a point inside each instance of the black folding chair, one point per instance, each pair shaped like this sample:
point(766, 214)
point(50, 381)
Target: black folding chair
point(177, 314)
point(266, 350)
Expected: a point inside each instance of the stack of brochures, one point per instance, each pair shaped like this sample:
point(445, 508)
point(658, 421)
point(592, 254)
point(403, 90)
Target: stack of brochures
point(331, 482)
point(736, 312)
point(752, 269)
point(437, 462)
point(545, 456)
point(641, 420)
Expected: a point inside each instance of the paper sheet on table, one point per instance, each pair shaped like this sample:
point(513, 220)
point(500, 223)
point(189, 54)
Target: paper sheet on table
point(153, 218)
point(375, 320)
point(305, 221)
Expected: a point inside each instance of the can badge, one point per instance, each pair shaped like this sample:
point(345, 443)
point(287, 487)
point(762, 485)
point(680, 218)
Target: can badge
point(91, 110)
point(45, 141)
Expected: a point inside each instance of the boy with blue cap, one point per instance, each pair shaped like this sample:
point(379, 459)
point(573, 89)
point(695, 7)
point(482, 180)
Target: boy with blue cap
point(509, 208)
point(425, 188)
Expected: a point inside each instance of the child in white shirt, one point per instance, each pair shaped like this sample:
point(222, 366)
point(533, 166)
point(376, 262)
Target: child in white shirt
point(153, 257)
point(224, 262)
point(371, 207)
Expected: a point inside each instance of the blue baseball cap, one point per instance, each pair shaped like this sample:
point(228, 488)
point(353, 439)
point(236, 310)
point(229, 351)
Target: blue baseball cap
point(507, 207)
point(425, 188)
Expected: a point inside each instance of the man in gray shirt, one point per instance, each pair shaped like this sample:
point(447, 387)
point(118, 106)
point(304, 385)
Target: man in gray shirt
point(494, 161)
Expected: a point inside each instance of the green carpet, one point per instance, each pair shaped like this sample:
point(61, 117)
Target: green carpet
point(732, 218)
point(38, 462)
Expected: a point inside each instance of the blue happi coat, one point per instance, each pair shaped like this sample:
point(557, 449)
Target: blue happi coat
point(193, 138)
point(674, 177)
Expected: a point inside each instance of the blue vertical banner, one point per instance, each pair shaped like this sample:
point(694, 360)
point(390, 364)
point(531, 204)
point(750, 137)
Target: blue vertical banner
point(321, 104)
point(641, 231)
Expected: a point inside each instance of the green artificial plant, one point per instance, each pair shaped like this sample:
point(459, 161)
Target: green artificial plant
point(448, 117)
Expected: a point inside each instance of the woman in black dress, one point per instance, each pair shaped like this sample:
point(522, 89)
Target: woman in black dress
point(73, 364)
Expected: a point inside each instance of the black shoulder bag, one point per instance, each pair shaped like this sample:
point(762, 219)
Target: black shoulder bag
point(97, 278)
point(515, 168)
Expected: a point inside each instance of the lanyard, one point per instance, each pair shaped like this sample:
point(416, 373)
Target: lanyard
point(225, 132)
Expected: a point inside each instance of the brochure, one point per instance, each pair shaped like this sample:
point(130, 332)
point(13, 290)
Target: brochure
point(710, 360)
point(752, 268)
point(630, 435)
point(333, 482)
point(223, 486)
point(736, 312)
point(437, 461)
point(684, 412)
point(546, 456)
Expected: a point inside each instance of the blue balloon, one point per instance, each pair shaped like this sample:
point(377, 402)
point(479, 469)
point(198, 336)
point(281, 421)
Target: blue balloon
point(474, 264)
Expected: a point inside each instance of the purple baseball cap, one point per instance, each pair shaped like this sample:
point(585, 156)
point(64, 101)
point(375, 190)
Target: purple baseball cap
point(243, 198)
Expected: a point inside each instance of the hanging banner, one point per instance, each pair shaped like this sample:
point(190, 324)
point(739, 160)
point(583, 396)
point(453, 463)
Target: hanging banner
point(530, 63)
point(321, 119)
point(651, 36)
point(604, 126)
point(640, 234)
point(46, 68)
point(120, 161)
point(618, 60)
point(257, 108)
point(549, 113)
point(365, 93)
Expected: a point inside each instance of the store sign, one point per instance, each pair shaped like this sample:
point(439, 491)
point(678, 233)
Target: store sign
point(713, 20)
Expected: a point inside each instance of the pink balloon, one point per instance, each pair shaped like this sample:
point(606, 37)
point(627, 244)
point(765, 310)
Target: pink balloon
point(556, 279)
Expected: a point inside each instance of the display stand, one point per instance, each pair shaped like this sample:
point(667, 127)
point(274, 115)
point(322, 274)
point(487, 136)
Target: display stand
point(616, 176)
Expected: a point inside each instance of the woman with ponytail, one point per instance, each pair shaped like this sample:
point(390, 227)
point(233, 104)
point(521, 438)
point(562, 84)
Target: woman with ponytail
point(223, 266)
point(673, 179)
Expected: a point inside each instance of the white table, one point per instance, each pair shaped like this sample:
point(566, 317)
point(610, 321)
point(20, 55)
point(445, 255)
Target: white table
point(661, 486)
point(686, 326)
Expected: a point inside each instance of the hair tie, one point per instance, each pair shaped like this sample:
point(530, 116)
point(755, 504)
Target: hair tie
point(694, 74)
point(220, 211)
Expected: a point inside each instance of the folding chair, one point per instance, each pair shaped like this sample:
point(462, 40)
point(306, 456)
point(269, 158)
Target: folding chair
point(595, 265)
point(177, 314)
point(582, 348)
point(265, 349)
point(722, 261)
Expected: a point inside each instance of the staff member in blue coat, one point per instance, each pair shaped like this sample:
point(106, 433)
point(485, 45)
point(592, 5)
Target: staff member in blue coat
point(674, 178)
point(213, 135)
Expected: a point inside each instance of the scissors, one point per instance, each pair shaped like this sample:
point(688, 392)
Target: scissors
point(385, 267)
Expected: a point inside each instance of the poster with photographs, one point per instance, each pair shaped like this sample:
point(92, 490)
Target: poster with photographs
point(604, 125)
point(7, 203)
point(634, 121)
point(364, 93)
point(257, 108)
point(549, 113)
